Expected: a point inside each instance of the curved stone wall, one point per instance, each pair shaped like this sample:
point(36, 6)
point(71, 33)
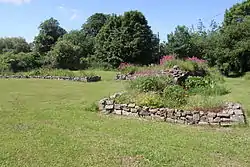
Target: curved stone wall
point(231, 114)
point(79, 79)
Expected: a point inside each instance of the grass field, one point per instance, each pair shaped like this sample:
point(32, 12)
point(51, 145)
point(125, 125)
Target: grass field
point(46, 123)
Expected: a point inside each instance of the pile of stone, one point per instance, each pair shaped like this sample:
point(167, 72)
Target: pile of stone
point(177, 74)
point(230, 114)
point(79, 79)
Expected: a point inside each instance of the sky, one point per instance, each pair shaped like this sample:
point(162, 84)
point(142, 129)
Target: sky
point(22, 17)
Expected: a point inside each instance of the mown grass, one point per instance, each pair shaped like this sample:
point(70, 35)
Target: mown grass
point(45, 123)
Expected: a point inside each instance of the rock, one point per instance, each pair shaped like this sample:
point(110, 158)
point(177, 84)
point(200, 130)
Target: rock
point(144, 113)
point(153, 111)
point(124, 105)
point(103, 101)
point(118, 112)
point(238, 118)
point(238, 112)
point(133, 110)
point(204, 118)
point(137, 107)
point(109, 107)
point(125, 113)
point(217, 120)
point(170, 120)
point(211, 115)
point(131, 105)
point(101, 106)
point(236, 106)
point(230, 111)
point(126, 109)
point(145, 108)
point(157, 118)
point(118, 106)
point(187, 113)
point(180, 121)
point(225, 120)
point(223, 115)
point(225, 124)
point(196, 117)
point(178, 114)
point(203, 123)
point(110, 102)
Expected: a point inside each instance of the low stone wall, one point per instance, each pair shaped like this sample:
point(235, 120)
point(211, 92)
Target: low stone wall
point(231, 114)
point(79, 79)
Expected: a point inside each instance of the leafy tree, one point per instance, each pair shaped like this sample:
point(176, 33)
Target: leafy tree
point(179, 42)
point(237, 13)
point(14, 45)
point(49, 32)
point(126, 38)
point(94, 24)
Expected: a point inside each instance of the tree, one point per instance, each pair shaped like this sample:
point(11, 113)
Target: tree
point(237, 13)
point(126, 38)
point(180, 42)
point(14, 45)
point(49, 32)
point(94, 24)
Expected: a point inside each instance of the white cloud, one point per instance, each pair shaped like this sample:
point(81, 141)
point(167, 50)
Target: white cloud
point(17, 2)
point(72, 14)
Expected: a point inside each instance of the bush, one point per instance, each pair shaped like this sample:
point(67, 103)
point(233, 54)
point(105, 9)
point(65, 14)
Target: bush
point(150, 99)
point(174, 96)
point(185, 65)
point(204, 86)
point(151, 83)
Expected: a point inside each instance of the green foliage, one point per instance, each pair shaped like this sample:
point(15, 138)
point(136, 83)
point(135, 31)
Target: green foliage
point(130, 69)
point(174, 96)
point(203, 103)
point(151, 83)
point(126, 38)
point(179, 42)
point(247, 76)
point(94, 24)
point(49, 32)
point(14, 45)
point(205, 86)
point(150, 99)
point(57, 72)
point(185, 65)
point(93, 107)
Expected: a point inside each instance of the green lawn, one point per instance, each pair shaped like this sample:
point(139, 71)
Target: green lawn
point(45, 123)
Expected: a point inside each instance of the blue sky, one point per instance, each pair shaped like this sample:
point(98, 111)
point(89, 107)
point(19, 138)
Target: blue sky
point(22, 17)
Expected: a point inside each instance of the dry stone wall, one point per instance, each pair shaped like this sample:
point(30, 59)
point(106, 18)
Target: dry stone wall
point(79, 79)
point(231, 114)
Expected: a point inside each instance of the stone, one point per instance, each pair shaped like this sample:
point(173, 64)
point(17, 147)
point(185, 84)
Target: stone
point(144, 113)
point(204, 118)
point(145, 108)
point(125, 113)
point(211, 115)
point(137, 107)
point(202, 113)
point(126, 109)
point(187, 113)
point(225, 124)
point(109, 107)
point(118, 112)
point(217, 120)
point(133, 110)
point(132, 105)
point(110, 102)
point(103, 101)
point(225, 120)
point(214, 124)
point(170, 120)
point(203, 123)
point(238, 118)
point(118, 106)
point(124, 105)
point(236, 106)
point(230, 111)
point(101, 106)
point(196, 117)
point(178, 114)
point(153, 111)
point(222, 115)
point(238, 112)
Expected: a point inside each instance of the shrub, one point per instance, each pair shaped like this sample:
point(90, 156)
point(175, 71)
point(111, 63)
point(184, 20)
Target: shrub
point(185, 65)
point(150, 99)
point(174, 96)
point(127, 68)
point(151, 83)
point(204, 86)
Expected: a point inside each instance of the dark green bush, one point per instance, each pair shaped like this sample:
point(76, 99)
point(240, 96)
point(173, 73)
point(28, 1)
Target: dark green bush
point(151, 83)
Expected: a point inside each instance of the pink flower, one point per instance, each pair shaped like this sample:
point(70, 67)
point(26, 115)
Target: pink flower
point(166, 58)
point(195, 59)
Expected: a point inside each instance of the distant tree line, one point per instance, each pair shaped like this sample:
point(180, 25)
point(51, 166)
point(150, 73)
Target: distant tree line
point(106, 40)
